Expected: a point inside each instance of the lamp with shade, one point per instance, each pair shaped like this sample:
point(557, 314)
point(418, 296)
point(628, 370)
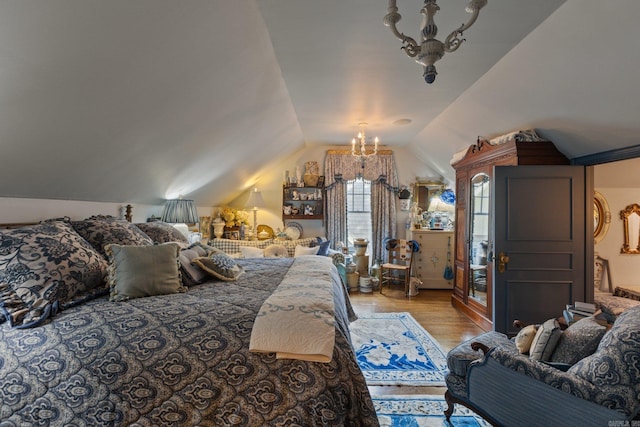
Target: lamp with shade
point(179, 213)
point(255, 202)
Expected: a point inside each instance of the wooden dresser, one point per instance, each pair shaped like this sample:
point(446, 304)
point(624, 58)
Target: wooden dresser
point(430, 262)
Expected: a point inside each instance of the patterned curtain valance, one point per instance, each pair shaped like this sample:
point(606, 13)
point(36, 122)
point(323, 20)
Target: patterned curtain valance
point(378, 168)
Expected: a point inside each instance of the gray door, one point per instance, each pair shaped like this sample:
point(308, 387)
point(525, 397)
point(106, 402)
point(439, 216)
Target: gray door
point(539, 242)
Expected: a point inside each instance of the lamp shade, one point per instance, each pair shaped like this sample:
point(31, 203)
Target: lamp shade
point(180, 211)
point(255, 199)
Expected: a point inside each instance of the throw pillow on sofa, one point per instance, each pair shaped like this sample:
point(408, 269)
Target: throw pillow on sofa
point(578, 341)
point(524, 338)
point(545, 340)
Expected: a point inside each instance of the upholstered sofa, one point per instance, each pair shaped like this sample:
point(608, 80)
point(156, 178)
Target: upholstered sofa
point(490, 375)
point(234, 247)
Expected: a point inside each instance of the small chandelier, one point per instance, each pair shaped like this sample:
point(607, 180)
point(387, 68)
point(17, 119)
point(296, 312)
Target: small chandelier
point(430, 50)
point(361, 142)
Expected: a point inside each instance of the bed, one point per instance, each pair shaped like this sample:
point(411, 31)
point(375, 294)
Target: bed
point(94, 357)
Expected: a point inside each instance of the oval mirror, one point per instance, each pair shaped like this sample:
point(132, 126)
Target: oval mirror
point(601, 217)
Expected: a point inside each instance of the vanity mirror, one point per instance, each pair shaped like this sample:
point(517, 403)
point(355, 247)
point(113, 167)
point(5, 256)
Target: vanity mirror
point(630, 217)
point(425, 189)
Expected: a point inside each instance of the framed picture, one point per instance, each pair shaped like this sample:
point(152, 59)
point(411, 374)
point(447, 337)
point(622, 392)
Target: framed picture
point(232, 235)
point(321, 181)
point(205, 226)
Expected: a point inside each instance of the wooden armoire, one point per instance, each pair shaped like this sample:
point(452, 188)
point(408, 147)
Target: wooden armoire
point(474, 257)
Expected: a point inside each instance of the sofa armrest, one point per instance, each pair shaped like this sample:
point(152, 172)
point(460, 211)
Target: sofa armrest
point(512, 388)
point(545, 373)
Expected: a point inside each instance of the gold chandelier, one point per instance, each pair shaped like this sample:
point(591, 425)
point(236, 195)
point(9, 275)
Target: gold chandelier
point(359, 145)
point(430, 50)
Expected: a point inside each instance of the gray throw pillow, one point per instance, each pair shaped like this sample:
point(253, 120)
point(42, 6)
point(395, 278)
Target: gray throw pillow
point(545, 340)
point(578, 341)
point(142, 271)
point(193, 274)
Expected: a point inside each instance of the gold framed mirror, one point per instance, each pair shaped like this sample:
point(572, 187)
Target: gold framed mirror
point(630, 217)
point(424, 189)
point(601, 217)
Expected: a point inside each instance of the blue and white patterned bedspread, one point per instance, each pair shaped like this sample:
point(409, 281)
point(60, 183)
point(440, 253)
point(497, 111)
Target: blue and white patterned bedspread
point(176, 360)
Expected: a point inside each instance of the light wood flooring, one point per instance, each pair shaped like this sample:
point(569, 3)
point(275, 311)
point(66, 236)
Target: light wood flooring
point(432, 309)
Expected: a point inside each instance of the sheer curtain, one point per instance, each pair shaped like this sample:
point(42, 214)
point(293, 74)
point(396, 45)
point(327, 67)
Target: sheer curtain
point(340, 166)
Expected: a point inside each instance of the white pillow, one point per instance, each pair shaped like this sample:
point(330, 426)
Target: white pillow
point(275, 251)
point(302, 250)
point(250, 252)
point(525, 337)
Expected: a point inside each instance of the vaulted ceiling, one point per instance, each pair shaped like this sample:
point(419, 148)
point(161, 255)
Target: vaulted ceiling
point(140, 100)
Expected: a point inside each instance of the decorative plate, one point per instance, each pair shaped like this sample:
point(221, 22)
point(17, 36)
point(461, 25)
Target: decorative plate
point(297, 226)
point(265, 228)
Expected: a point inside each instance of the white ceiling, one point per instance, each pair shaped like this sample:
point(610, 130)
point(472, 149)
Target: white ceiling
point(139, 100)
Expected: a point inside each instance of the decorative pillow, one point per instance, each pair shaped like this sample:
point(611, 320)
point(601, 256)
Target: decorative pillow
point(101, 231)
point(301, 250)
point(323, 246)
point(191, 274)
point(614, 306)
point(203, 249)
point(525, 337)
point(627, 293)
point(275, 251)
point(578, 341)
point(221, 266)
point(613, 368)
point(162, 232)
point(545, 340)
point(45, 267)
point(142, 271)
point(250, 252)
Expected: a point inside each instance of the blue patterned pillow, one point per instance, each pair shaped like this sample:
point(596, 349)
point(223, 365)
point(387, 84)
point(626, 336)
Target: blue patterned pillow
point(615, 366)
point(578, 341)
point(323, 246)
point(44, 268)
point(161, 232)
point(101, 231)
point(220, 265)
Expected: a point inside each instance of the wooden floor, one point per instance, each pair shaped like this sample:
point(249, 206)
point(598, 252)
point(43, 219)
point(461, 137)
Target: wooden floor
point(432, 309)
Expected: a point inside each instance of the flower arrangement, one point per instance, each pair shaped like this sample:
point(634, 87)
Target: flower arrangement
point(234, 217)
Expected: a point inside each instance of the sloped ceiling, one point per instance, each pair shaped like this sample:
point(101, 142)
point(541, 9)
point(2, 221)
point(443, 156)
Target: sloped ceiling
point(140, 100)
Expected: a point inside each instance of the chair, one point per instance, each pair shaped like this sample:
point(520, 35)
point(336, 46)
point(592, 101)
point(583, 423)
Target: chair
point(589, 379)
point(397, 269)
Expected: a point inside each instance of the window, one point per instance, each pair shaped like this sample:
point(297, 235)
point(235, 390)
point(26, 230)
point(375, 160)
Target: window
point(358, 210)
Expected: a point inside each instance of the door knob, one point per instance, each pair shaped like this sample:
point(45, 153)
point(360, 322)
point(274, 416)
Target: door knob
point(503, 260)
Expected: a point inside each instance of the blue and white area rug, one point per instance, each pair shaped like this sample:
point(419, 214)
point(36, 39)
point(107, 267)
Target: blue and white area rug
point(393, 349)
point(422, 411)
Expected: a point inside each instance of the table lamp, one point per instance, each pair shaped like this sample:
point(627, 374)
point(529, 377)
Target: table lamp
point(180, 212)
point(255, 202)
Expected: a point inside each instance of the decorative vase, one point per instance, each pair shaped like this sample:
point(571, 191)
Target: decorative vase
point(218, 227)
point(311, 180)
point(361, 246)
